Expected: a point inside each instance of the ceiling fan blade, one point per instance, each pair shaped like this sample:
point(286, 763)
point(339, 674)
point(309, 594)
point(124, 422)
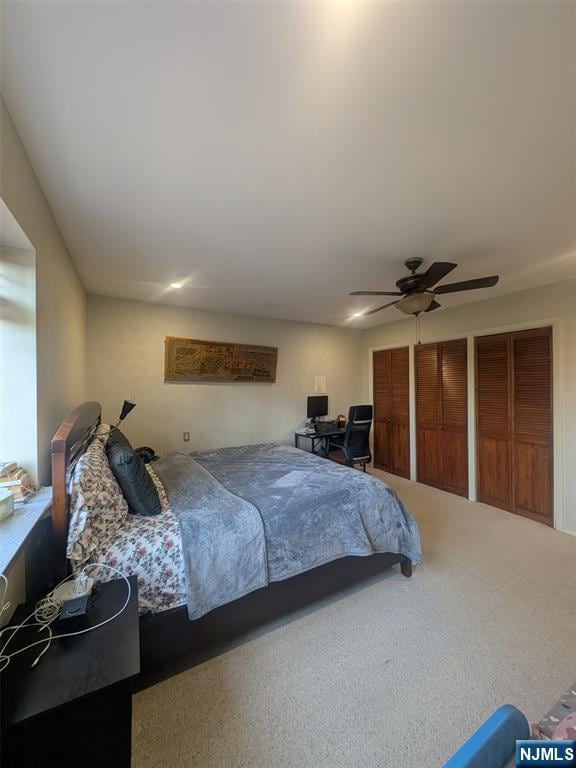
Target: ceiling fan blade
point(375, 293)
point(437, 272)
point(467, 285)
point(433, 306)
point(377, 309)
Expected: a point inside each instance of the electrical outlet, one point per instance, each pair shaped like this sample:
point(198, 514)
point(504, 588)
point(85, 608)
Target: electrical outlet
point(186, 437)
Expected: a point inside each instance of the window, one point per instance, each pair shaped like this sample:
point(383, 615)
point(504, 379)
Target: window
point(18, 430)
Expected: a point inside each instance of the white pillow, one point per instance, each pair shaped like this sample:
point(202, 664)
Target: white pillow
point(97, 506)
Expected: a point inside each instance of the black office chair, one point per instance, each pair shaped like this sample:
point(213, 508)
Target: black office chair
point(354, 446)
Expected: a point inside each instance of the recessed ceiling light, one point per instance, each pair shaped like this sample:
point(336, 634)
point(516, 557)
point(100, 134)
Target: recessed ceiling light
point(175, 285)
point(357, 314)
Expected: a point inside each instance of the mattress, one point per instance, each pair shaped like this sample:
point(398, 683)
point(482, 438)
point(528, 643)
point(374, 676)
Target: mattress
point(251, 515)
point(236, 519)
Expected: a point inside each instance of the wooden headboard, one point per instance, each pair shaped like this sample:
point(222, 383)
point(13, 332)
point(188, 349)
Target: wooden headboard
point(70, 441)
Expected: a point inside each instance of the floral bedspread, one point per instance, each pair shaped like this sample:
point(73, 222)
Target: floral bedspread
point(149, 548)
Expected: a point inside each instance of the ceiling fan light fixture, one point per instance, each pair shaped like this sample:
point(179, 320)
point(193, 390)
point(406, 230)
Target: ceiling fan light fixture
point(418, 302)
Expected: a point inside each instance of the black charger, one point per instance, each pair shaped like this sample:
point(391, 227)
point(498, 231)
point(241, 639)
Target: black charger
point(75, 614)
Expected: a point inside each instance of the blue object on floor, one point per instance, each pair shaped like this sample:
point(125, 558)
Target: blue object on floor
point(494, 743)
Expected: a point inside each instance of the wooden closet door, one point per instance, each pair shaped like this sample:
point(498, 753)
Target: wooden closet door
point(514, 422)
point(391, 411)
point(428, 442)
point(494, 420)
point(399, 427)
point(454, 415)
point(382, 405)
point(442, 415)
point(532, 424)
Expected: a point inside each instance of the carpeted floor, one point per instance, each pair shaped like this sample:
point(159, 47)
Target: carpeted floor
point(396, 673)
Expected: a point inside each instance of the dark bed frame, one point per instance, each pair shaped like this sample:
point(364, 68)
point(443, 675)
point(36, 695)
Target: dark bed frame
point(170, 642)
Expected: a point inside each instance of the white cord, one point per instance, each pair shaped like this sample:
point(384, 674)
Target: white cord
point(45, 612)
point(3, 604)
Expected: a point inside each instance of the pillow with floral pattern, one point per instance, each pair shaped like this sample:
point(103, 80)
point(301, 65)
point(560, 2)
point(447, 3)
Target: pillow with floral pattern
point(97, 506)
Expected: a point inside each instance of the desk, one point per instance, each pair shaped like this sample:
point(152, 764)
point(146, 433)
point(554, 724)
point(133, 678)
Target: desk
point(318, 439)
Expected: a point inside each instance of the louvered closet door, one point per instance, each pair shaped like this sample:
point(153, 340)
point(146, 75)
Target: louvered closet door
point(382, 404)
point(514, 422)
point(399, 429)
point(391, 411)
point(454, 415)
point(428, 444)
point(442, 415)
point(532, 424)
point(494, 420)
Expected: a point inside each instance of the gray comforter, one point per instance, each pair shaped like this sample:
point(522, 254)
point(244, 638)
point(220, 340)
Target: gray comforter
point(263, 513)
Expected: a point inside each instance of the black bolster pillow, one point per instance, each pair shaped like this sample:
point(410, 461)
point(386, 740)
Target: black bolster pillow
point(132, 476)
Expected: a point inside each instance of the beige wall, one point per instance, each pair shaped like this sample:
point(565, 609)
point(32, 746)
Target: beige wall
point(60, 308)
point(126, 358)
point(554, 304)
point(60, 295)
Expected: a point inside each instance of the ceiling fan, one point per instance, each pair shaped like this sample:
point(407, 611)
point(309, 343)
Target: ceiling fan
point(417, 289)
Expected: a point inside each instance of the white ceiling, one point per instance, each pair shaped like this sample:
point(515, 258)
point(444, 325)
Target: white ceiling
point(274, 156)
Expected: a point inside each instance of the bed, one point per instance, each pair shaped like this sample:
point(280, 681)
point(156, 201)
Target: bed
point(245, 534)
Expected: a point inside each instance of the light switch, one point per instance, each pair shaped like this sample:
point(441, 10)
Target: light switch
point(186, 437)
point(320, 385)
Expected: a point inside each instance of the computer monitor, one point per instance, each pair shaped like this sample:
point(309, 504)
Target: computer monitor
point(317, 406)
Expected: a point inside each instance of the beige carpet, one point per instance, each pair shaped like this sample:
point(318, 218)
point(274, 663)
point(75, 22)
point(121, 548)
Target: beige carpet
point(396, 673)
